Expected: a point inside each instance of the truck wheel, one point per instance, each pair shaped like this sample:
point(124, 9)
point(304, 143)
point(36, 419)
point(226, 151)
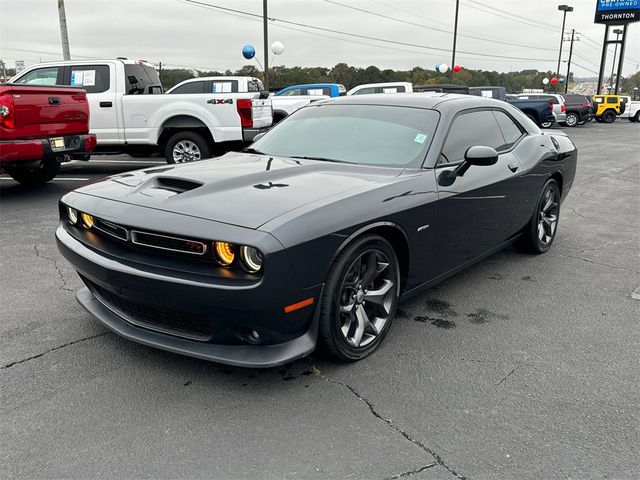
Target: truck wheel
point(636, 117)
point(572, 120)
point(609, 116)
point(187, 146)
point(34, 175)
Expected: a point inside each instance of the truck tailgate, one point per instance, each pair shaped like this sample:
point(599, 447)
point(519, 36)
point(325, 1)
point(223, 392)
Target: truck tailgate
point(44, 111)
point(261, 112)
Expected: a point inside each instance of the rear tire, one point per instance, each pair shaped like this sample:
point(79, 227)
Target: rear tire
point(34, 175)
point(359, 300)
point(541, 230)
point(572, 119)
point(186, 147)
point(609, 116)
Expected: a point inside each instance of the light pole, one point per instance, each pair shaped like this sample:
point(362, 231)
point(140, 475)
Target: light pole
point(455, 36)
point(566, 80)
point(618, 32)
point(265, 24)
point(564, 9)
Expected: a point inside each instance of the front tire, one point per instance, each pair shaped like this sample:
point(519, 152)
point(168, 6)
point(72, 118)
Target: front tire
point(185, 147)
point(34, 175)
point(541, 229)
point(609, 116)
point(572, 120)
point(360, 299)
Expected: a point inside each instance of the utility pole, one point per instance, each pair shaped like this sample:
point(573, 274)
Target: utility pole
point(64, 35)
point(566, 80)
point(623, 44)
point(618, 32)
point(455, 37)
point(265, 24)
point(564, 9)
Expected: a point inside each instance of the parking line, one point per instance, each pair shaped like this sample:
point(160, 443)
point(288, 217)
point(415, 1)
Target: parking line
point(63, 179)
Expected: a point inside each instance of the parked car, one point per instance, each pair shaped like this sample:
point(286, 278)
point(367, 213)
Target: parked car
point(443, 88)
point(318, 230)
point(559, 107)
point(578, 110)
point(539, 112)
point(129, 114)
point(608, 107)
point(222, 84)
point(40, 127)
point(388, 87)
point(313, 89)
point(631, 109)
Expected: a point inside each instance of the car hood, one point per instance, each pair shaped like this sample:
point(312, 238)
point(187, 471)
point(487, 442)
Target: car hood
point(239, 188)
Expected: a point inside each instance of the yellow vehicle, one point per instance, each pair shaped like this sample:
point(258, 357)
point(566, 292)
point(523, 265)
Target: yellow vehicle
point(607, 107)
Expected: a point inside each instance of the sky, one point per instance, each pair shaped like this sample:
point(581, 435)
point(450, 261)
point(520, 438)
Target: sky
point(184, 35)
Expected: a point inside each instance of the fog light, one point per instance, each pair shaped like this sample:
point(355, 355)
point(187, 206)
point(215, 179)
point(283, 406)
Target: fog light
point(225, 253)
point(72, 213)
point(87, 220)
point(251, 259)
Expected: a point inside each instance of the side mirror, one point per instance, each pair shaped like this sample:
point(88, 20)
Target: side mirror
point(481, 156)
point(259, 136)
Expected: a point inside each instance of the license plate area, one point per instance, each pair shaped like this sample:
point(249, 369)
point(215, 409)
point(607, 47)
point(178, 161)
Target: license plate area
point(57, 143)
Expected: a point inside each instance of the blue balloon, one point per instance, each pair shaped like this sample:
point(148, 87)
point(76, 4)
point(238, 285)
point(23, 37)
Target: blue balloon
point(438, 67)
point(561, 80)
point(248, 52)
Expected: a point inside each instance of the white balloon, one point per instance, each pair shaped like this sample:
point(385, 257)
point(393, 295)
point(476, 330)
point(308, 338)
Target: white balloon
point(277, 48)
point(443, 68)
point(545, 81)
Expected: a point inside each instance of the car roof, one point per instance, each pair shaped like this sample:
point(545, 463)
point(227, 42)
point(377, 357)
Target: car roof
point(310, 85)
point(427, 100)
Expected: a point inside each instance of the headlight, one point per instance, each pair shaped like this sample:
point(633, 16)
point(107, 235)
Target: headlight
point(72, 214)
point(87, 220)
point(225, 253)
point(251, 259)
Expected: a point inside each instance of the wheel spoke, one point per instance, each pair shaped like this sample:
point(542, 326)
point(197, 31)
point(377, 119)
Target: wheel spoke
point(378, 297)
point(361, 316)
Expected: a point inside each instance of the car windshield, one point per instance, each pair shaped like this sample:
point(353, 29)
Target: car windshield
point(388, 136)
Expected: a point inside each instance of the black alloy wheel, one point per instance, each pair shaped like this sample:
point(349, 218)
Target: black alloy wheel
point(572, 119)
point(543, 226)
point(609, 116)
point(360, 299)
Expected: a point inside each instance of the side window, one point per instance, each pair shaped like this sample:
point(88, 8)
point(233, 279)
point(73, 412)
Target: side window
point(612, 100)
point(364, 91)
point(41, 76)
point(255, 86)
point(191, 87)
point(470, 130)
point(93, 78)
point(511, 132)
point(292, 92)
point(314, 92)
point(224, 86)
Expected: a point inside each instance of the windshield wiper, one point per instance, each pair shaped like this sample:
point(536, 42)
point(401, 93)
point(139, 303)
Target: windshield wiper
point(323, 159)
point(253, 150)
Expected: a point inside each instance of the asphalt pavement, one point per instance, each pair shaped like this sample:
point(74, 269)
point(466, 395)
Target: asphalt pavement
point(522, 367)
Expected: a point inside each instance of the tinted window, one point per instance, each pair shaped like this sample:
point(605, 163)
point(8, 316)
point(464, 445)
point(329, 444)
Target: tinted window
point(191, 87)
point(469, 130)
point(362, 134)
point(612, 100)
point(41, 76)
point(142, 79)
point(93, 78)
point(255, 86)
point(364, 91)
point(511, 132)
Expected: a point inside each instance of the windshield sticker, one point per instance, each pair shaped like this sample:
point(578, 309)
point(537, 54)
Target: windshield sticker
point(315, 92)
point(76, 78)
point(221, 87)
point(487, 93)
point(420, 138)
point(83, 78)
point(390, 90)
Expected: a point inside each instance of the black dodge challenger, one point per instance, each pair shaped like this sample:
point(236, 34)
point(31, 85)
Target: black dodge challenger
point(313, 234)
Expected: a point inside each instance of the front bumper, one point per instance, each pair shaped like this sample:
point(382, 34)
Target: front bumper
point(153, 308)
point(16, 151)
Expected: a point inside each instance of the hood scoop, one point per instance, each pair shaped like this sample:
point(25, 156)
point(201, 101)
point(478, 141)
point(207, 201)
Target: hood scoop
point(165, 187)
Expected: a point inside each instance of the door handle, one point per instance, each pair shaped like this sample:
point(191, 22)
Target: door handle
point(106, 104)
point(514, 166)
point(54, 100)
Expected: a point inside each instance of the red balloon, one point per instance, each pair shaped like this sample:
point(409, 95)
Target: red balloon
point(457, 68)
point(554, 81)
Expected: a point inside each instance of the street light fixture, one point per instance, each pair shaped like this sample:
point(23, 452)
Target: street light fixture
point(564, 9)
point(618, 32)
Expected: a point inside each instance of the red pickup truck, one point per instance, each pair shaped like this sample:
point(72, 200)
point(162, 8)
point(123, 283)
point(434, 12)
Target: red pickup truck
point(41, 127)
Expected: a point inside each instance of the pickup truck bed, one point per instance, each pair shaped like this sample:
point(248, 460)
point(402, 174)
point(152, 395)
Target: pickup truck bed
point(40, 127)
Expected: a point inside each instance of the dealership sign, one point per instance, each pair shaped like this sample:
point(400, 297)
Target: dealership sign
point(617, 12)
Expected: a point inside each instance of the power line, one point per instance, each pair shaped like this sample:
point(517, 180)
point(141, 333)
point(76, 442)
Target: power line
point(484, 39)
point(530, 23)
point(519, 17)
point(366, 37)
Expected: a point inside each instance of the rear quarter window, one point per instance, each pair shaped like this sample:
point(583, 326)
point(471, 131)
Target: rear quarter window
point(191, 87)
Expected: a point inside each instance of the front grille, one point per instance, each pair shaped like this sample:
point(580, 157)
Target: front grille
point(166, 320)
point(165, 242)
point(111, 229)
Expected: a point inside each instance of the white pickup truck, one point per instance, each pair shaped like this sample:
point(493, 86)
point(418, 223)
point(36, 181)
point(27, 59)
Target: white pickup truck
point(387, 87)
point(130, 114)
point(283, 106)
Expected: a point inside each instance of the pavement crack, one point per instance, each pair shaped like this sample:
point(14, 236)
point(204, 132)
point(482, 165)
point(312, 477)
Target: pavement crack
point(64, 286)
point(613, 267)
point(508, 374)
point(46, 352)
point(412, 472)
point(417, 443)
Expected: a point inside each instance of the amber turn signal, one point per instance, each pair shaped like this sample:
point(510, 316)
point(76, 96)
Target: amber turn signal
point(87, 220)
point(225, 253)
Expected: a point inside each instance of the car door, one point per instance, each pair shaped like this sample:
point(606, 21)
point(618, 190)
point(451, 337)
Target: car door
point(99, 81)
point(476, 210)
